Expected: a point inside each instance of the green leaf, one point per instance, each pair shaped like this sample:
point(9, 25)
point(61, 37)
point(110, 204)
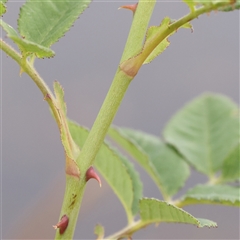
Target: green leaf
point(232, 7)
point(162, 163)
point(71, 149)
point(26, 47)
point(137, 184)
point(153, 31)
point(153, 210)
point(191, 4)
point(99, 231)
point(231, 166)
point(205, 131)
point(44, 22)
point(120, 175)
point(3, 7)
point(59, 93)
point(212, 194)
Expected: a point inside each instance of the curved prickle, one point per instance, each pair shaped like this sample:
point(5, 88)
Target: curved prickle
point(92, 174)
point(62, 224)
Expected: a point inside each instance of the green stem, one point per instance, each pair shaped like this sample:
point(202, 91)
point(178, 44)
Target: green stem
point(138, 29)
point(88, 153)
point(74, 187)
point(26, 66)
point(132, 65)
point(104, 119)
point(118, 88)
point(71, 203)
point(127, 231)
point(29, 69)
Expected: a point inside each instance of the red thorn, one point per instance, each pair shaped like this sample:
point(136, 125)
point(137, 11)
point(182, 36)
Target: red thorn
point(62, 224)
point(92, 174)
point(47, 96)
point(131, 7)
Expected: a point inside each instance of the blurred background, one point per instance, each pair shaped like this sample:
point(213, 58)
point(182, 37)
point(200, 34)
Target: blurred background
point(33, 179)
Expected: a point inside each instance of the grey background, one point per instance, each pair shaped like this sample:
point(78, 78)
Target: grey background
point(85, 63)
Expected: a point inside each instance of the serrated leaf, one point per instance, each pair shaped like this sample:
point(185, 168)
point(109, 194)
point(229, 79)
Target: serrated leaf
point(206, 223)
point(119, 175)
point(153, 210)
point(205, 131)
point(232, 7)
point(44, 22)
point(71, 149)
point(25, 46)
point(153, 31)
point(213, 2)
point(3, 7)
point(99, 231)
point(70, 146)
point(231, 166)
point(231, 4)
point(136, 182)
point(59, 93)
point(212, 194)
point(191, 4)
point(162, 163)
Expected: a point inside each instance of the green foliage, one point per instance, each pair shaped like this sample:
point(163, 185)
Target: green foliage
point(205, 132)
point(136, 183)
point(208, 194)
point(153, 31)
point(119, 173)
point(234, 6)
point(231, 166)
point(230, 4)
point(44, 22)
point(153, 210)
point(167, 168)
point(26, 47)
point(59, 93)
point(71, 149)
point(162, 163)
point(3, 7)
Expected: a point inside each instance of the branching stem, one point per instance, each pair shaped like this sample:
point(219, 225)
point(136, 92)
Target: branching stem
point(33, 74)
point(131, 57)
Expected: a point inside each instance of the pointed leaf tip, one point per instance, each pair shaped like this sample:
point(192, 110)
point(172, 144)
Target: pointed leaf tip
point(62, 224)
point(156, 211)
point(92, 174)
point(131, 7)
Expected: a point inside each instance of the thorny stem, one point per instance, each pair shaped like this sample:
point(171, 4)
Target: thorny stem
point(104, 119)
point(75, 188)
point(132, 65)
